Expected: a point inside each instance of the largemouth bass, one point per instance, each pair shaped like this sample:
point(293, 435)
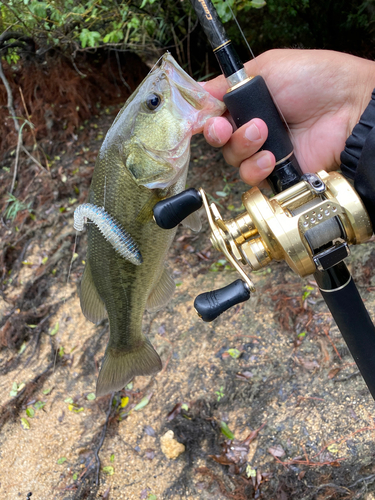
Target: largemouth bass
point(144, 158)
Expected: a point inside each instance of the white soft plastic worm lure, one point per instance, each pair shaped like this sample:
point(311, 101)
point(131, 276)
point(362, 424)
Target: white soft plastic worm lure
point(112, 231)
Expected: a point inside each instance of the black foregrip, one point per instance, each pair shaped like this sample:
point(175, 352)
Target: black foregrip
point(210, 305)
point(356, 327)
point(170, 212)
point(253, 100)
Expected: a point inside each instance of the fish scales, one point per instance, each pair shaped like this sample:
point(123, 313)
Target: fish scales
point(144, 158)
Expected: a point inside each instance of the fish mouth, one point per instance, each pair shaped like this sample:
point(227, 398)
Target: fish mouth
point(192, 93)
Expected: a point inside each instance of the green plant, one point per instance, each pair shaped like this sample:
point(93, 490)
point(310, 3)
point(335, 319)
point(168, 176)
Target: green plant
point(220, 393)
point(77, 25)
point(14, 206)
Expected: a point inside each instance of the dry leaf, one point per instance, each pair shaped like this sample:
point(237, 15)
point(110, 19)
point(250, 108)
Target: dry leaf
point(174, 412)
point(309, 364)
point(149, 431)
point(244, 375)
point(150, 454)
point(332, 373)
point(276, 451)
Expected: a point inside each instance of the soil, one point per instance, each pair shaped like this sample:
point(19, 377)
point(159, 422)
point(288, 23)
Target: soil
point(301, 415)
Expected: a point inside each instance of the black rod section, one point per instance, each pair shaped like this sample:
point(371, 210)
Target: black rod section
point(350, 314)
point(224, 51)
point(249, 98)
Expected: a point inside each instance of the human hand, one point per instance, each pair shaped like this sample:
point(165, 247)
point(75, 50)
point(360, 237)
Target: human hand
point(321, 94)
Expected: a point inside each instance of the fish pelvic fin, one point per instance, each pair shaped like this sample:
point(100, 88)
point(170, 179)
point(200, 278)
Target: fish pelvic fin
point(92, 305)
point(161, 293)
point(193, 222)
point(118, 368)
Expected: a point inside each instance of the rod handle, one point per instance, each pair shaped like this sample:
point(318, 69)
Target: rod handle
point(252, 99)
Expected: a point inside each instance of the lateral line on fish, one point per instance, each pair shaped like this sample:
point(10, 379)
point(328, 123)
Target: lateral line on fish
point(105, 188)
point(112, 231)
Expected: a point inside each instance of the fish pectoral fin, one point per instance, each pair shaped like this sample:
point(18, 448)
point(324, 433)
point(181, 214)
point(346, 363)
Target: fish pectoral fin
point(193, 221)
point(146, 213)
point(91, 304)
point(155, 170)
point(119, 367)
point(161, 292)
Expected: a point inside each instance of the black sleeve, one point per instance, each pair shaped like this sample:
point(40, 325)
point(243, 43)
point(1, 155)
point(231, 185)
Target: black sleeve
point(354, 144)
point(364, 180)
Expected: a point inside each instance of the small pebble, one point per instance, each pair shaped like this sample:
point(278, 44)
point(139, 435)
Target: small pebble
point(170, 446)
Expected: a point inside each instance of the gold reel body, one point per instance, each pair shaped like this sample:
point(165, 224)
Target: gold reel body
point(301, 225)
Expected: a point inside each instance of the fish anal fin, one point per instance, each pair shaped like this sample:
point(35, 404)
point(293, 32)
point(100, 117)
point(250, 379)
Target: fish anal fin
point(118, 368)
point(193, 221)
point(161, 292)
point(91, 304)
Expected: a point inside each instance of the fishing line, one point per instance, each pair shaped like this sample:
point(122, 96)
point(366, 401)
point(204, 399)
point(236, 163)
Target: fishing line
point(64, 298)
point(157, 62)
point(71, 261)
point(265, 79)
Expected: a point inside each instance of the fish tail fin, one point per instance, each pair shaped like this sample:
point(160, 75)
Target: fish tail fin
point(118, 368)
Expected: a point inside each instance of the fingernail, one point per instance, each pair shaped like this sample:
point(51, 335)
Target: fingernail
point(212, 134)
point(264, 162)
point(252, 133)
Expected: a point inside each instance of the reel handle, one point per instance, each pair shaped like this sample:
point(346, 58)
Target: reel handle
point(170, 212)
point(210, 305)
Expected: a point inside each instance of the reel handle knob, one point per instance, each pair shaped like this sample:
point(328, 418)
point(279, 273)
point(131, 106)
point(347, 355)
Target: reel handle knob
point(210, 305)
point(170, 212)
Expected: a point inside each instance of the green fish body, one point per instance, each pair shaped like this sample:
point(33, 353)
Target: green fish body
point(144, 158)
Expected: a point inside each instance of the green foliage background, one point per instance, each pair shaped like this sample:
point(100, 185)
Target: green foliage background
point(149, 26)
point(344, 25)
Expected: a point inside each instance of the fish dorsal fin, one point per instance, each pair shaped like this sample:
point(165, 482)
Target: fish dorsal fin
point(91, 304)
point(193, 222)
point(161, 292)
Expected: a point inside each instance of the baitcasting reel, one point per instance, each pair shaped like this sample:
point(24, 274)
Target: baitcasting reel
point(309, 225)
point(309, 222)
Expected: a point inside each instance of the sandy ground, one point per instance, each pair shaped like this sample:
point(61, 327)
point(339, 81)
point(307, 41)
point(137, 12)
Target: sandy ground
point(294, 382)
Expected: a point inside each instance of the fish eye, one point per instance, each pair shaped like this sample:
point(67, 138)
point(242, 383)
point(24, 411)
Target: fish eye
point(153, 101)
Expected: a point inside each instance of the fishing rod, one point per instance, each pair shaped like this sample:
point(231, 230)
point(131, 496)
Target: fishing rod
point(309, 223)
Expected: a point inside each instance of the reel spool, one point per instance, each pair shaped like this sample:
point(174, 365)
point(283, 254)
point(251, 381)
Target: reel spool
point(310, 225)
